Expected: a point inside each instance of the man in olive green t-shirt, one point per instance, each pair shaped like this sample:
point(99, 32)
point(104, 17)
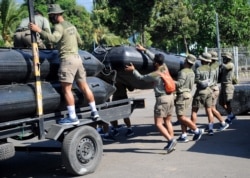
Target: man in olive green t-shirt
point(71, 68)
point(227, 87)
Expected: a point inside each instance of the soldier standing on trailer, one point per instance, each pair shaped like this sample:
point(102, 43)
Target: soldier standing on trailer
point(71, 67)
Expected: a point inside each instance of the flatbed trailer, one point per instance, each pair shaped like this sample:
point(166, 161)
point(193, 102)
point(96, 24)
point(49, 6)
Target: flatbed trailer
point(82, 145)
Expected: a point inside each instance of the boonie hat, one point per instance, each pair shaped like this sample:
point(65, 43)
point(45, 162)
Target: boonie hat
point(205, 57)
point(214, 55)
point(191, 58)
point(227, 55)
point(54, 9)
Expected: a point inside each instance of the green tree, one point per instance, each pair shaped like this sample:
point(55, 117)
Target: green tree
point(233, 18)
point(10, 13)
point(102, 35)
point(172, 25)
point(125, 17)
point(234, 21)
point(77, 15)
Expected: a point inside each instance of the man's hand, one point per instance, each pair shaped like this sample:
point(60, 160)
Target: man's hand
point(140, 47)
point(34, 28)
point(130, 67)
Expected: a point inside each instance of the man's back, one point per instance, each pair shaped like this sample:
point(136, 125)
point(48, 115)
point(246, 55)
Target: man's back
point(68, 43)
point(41, 21)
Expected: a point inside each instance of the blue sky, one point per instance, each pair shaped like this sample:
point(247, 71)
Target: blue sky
point(88, 4)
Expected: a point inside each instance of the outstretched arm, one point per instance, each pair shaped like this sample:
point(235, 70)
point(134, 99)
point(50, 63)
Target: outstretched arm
point(149, 53)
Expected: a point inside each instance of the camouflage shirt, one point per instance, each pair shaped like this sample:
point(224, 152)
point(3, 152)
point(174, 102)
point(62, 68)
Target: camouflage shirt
point(153, 77)
point(67, 38)
point(227, 73)
point(202, 74)
point(185, 80)
point(214, 73)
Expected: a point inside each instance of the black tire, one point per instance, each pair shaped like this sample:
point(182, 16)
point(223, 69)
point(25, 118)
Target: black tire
point(82, 150)
point(7, 150)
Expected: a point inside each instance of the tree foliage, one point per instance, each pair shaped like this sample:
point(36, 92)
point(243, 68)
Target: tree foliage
point(172, 21)
point(233, 22)
point(77, 15)
point(10, 13)
point(171, 25)
point(178, 25)
point(125, 17)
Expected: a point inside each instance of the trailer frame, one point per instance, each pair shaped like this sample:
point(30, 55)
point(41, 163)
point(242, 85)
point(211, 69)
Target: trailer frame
point(82, 138)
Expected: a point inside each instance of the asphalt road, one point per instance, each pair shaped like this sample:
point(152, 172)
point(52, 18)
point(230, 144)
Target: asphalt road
point(224, 155)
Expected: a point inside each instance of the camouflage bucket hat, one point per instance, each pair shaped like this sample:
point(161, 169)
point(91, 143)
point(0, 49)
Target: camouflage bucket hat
point(205, 57)
point(191, 58)
point(227, 55)
point(214, 55)
point(54, 9)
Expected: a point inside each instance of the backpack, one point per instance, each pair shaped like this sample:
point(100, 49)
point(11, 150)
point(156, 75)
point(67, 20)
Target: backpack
point(168, 81)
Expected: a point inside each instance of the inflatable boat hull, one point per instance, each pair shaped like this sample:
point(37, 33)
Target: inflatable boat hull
point(16, 65)
point(19, 100)
point(116, 58)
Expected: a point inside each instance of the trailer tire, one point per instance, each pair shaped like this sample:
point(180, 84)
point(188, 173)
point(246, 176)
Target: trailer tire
point(82, 150)
point(7, 150)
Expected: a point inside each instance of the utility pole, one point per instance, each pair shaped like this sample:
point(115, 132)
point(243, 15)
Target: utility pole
point(218, 37)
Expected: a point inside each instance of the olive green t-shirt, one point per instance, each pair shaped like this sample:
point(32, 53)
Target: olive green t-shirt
point(227, 73)
point(214, 73)
point(185, 81)
point(67, 38)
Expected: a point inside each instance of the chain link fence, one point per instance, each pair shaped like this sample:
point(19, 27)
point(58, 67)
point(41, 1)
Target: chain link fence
point(241, 60)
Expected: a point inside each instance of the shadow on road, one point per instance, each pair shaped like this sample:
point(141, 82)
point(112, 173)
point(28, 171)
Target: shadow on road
point(232, 142)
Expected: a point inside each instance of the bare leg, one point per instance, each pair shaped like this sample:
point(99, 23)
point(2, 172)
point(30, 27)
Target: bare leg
point(228, 107)
point(194, 114)
point(127, 122)
point(86, 91)
point(66, 88)
point(217, 114)
point(169, 125)
point(210, 115)
point(187, 123)
point(114, 123)
point(163, 129)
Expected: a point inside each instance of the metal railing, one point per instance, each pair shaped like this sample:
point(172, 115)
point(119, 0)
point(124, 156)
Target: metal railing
point(241, 60)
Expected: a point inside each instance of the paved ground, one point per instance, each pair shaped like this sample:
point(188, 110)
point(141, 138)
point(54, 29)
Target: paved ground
point(224, 155)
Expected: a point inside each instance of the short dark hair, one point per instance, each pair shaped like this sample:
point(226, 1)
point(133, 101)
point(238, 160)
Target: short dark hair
point(159, 58)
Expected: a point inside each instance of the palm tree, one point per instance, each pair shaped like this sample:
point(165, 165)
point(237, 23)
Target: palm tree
point(10, 14)
point(102, 36)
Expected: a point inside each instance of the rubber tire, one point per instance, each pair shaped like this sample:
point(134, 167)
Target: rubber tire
point(7, 150)
point(82, 150)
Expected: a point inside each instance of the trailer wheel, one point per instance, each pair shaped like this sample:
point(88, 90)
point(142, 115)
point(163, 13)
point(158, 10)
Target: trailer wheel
point(82, 150)
point(7, 151)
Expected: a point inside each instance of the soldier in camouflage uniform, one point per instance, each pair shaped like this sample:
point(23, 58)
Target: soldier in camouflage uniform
point(203, 93)
point(164, 102)
point(227, 87)
point(71, 68)
point(184, 86)
point(214, 73)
